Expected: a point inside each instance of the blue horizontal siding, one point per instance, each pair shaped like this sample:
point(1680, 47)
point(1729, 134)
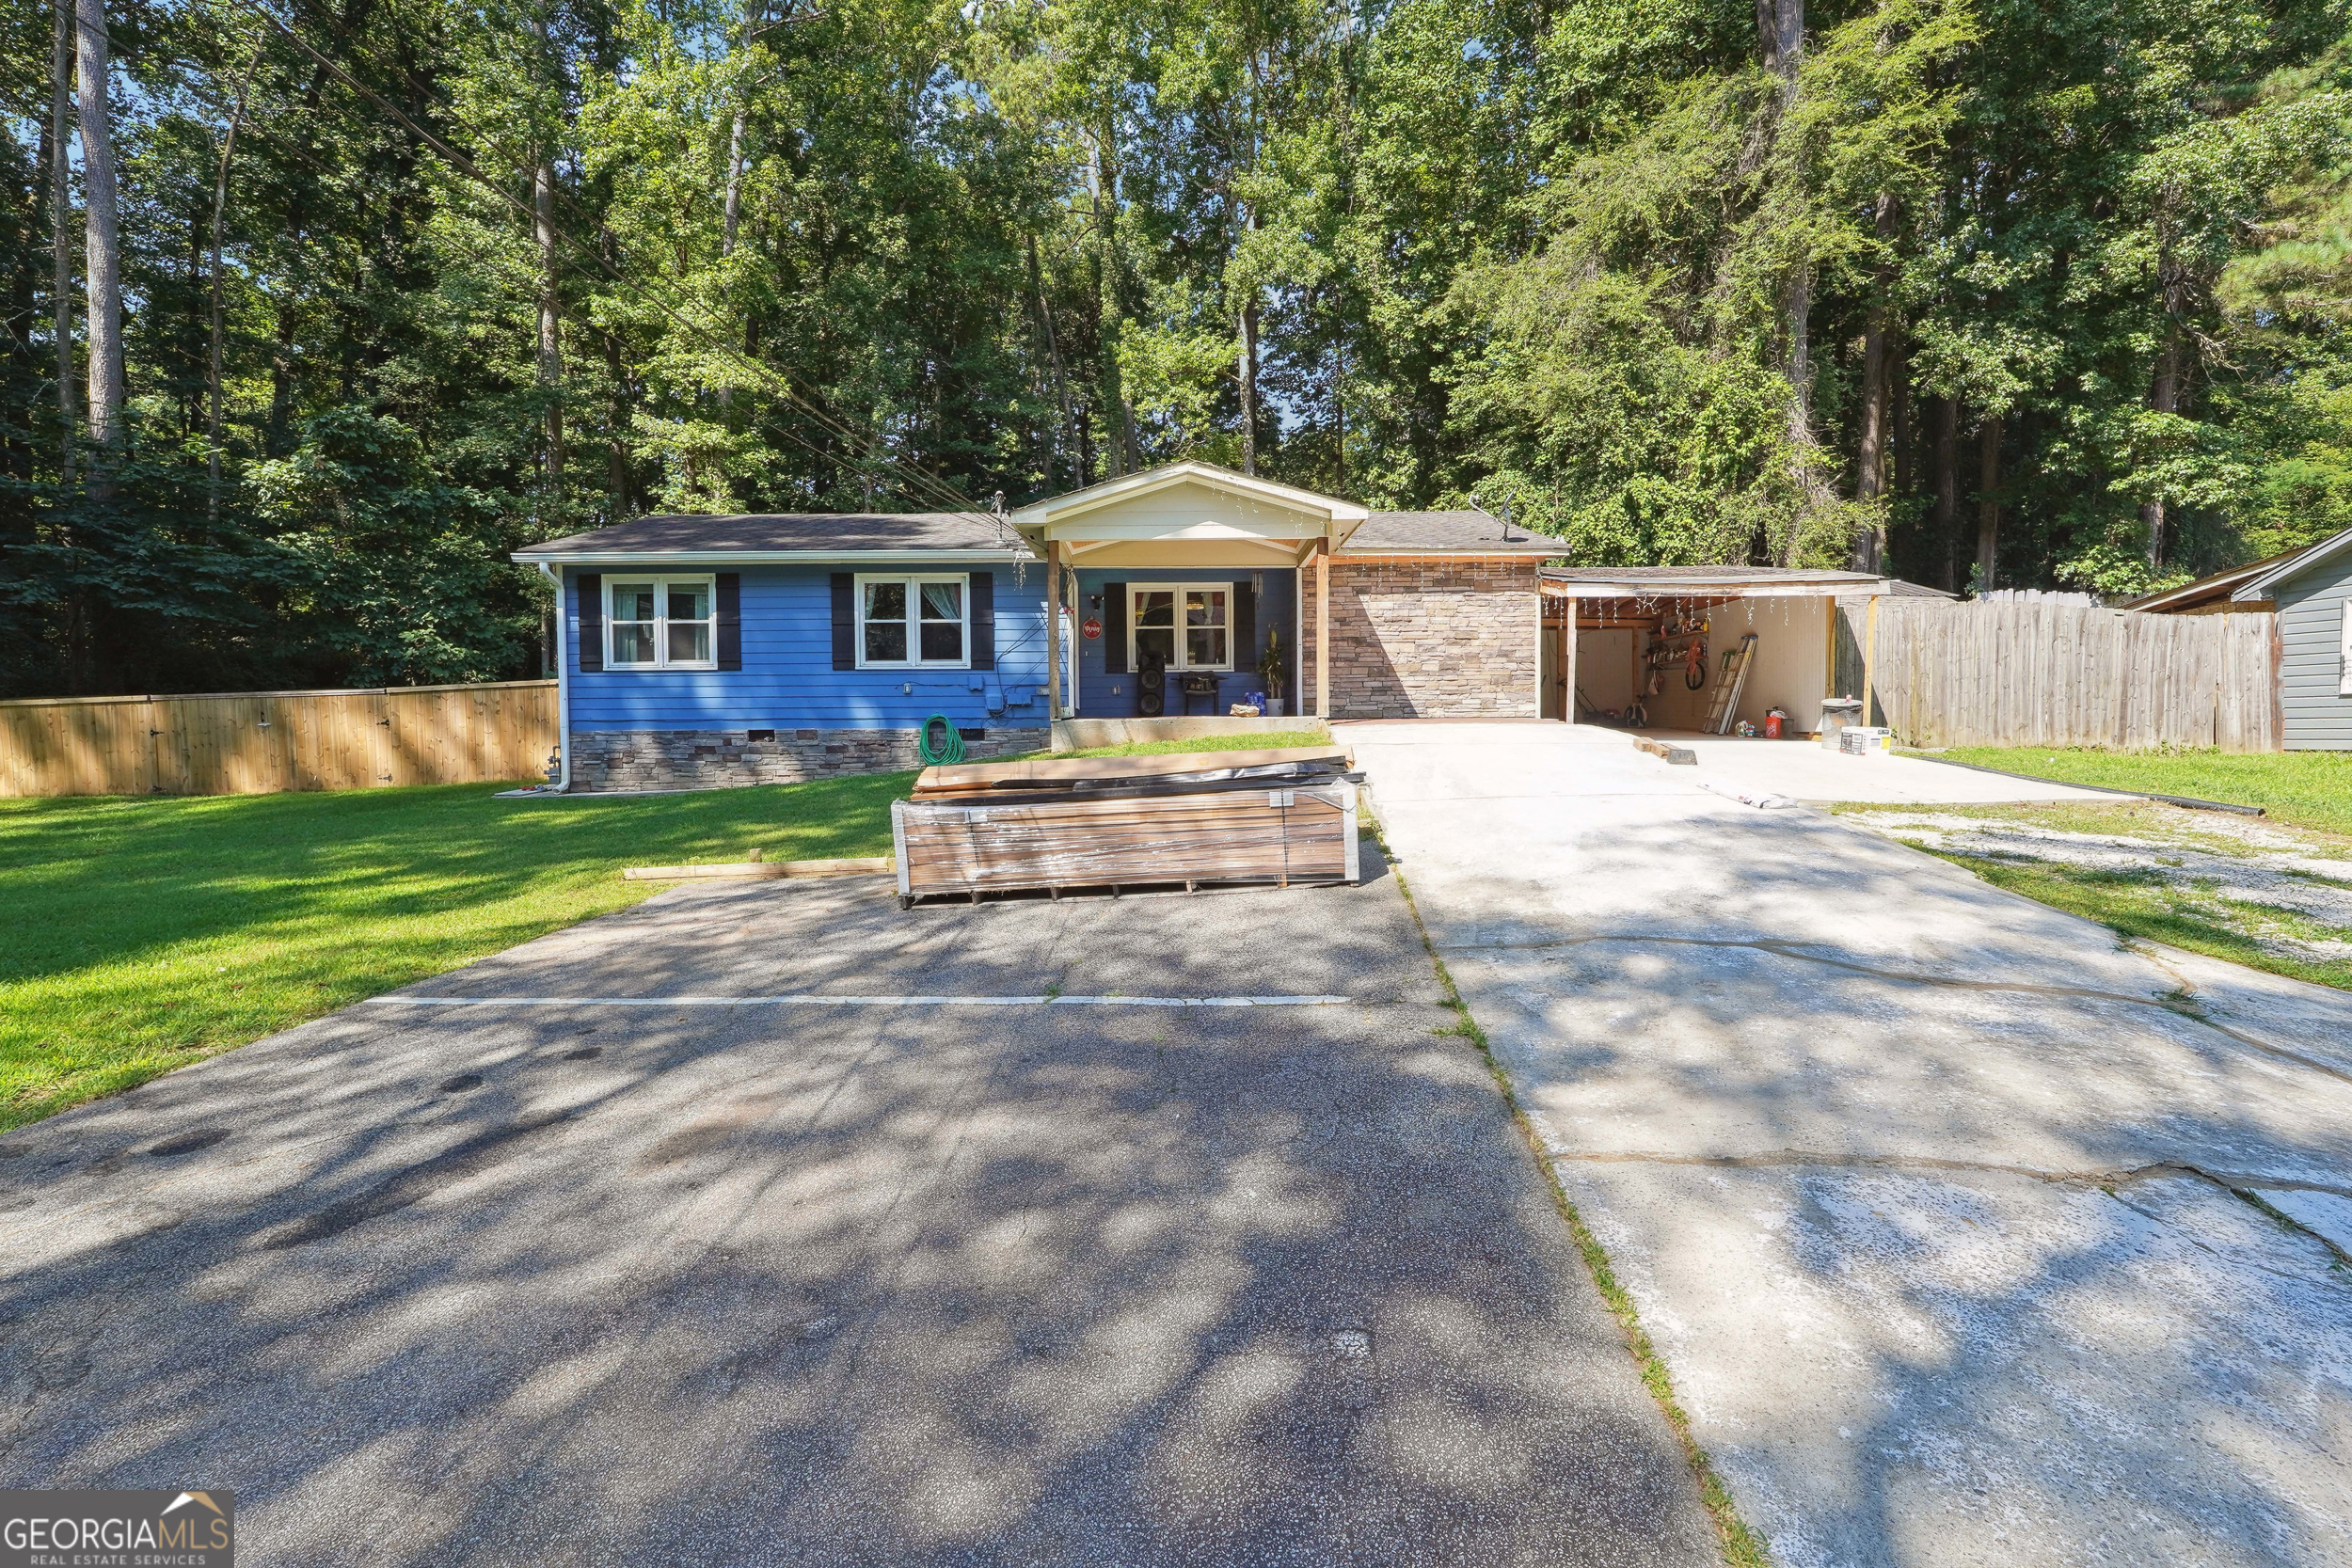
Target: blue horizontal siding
point(789, 682)
point(1104, 695)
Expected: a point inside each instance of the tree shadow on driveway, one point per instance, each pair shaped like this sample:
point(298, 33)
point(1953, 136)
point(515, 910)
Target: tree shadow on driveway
point(875, 1284)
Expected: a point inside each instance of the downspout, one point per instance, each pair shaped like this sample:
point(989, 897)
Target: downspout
point(563, 684)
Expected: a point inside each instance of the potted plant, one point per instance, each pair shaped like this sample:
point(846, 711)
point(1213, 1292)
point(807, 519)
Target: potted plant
point(1270, 671)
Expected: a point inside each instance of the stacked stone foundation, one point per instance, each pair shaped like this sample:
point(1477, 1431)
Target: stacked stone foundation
point(604, 761)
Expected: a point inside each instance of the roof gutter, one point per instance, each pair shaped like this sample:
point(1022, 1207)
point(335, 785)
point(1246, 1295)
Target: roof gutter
point(763, 558)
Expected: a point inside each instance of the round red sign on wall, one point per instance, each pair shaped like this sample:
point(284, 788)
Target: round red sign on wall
point(1092, 627)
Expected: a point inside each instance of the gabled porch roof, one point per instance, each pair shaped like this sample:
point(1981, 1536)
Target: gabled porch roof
point(1188, 513)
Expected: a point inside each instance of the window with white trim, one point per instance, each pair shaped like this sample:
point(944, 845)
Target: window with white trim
point(660, 622)
point(1186, 626)
point(914, 620)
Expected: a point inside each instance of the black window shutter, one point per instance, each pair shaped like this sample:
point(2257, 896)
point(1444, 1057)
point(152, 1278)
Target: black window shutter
point(1245, 627)
point(845, 620)
point(1115, 628)
point(983, 620)
point(729, 598)
point(591, 620)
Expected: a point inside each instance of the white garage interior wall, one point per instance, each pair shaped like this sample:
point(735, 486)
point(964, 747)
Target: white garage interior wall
point(1790, 671)
point(1604, 667)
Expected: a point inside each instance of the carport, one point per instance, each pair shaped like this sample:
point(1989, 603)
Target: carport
point(1640, 632)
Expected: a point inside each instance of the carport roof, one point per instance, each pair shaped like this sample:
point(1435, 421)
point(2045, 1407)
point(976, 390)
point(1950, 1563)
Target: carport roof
point(1646, 582)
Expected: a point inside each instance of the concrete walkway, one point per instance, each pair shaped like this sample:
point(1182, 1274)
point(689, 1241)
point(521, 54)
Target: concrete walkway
point(1807, 771)
point(1963, 1230)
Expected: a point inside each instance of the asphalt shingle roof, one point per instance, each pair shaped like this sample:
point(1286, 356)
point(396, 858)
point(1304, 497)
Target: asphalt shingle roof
point(787, 530)
point(1461, 532)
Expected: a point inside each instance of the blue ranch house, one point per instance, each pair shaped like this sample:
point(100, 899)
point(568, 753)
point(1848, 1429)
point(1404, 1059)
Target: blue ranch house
point(703, 651)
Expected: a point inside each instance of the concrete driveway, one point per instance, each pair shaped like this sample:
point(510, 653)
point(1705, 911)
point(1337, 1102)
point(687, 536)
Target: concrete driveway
point(1968, 1235)
point(851, 1248)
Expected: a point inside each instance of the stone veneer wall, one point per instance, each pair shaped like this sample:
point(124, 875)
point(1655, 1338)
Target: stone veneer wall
point(1427, 638)
point(719, 759)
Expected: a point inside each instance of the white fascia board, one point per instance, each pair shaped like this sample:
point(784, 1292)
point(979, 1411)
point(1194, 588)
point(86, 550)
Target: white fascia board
point(2293, 566)
point(1655, 589)
point(1045, 514)
point(772, 558)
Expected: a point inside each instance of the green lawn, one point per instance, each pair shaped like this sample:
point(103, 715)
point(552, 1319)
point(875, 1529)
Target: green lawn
point(2147, 905)
point(1267, 741)
point(146, 934)
point(2302, 789)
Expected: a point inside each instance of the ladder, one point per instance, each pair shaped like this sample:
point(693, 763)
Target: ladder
point(1723, 704)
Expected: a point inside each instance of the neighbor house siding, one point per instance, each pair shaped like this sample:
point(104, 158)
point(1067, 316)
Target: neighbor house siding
point(2311, 666)
point(789, 682)
point(1430, 638)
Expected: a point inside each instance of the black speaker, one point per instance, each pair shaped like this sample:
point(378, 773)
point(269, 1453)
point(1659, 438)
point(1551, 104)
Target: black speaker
point(1151, 686)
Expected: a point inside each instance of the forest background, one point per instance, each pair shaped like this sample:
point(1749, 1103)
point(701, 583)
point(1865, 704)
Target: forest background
point(316, 309)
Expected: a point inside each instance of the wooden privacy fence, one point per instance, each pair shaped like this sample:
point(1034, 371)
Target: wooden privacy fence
point(260, 742)
point(2057, 674)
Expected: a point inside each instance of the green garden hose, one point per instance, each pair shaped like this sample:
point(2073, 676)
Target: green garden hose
point(946, 749)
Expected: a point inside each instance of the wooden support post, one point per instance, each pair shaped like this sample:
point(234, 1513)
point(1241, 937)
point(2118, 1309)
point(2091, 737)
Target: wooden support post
point(1053, 632)
point(1829, 650)
point(1869, 659)
point(1568, 660)
point(1323, 629)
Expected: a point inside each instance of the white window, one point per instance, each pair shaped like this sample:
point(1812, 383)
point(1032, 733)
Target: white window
point(913, 620)
point(1186, 626)
point(659, 623)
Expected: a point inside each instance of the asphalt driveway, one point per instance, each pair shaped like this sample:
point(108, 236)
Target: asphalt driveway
point(1967, 1234)
point(875, 1238)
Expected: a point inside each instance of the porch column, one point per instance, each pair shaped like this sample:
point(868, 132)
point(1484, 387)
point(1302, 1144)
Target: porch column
point(1053, 633)
point(1322, 628)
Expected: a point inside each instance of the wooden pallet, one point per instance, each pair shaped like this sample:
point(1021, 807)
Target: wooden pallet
point(1212, 835)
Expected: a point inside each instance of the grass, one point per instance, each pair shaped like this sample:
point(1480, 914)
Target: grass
point(2302, 789)
point(1266, 739)
point(2144, 906)
point(2144, 902)
point(147, 934)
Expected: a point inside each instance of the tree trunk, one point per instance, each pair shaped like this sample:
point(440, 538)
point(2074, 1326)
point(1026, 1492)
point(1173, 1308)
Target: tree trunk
point(104, 263)
point(1988, 510)
point(1119, 418)
point(62, 229)
point(1249, 388)
point(550, 322)
point(1869, 483)
point(1947, 488)
point(2165, 398)
point(551, 319)
point(212, 368)
point(1067, 441)
point(731, 216)
point(1783, 48)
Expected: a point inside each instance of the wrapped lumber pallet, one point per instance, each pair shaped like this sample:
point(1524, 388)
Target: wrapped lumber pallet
point(1149, 821)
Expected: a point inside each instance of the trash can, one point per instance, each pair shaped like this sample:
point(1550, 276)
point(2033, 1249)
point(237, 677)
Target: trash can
point(1837, 713)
